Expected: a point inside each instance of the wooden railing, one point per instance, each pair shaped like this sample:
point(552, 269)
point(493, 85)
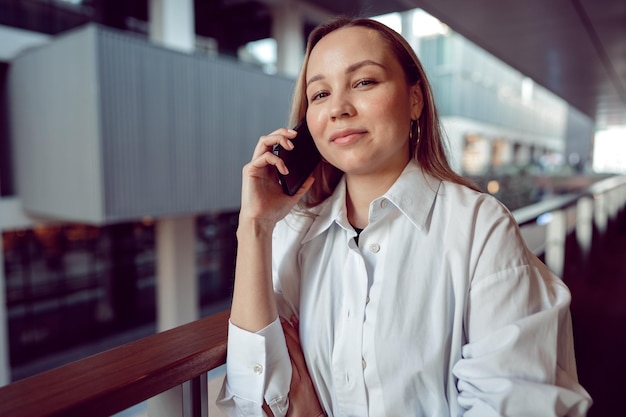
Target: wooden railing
point(113, 381)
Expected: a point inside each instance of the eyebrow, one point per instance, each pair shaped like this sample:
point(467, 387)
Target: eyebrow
point(350, 69)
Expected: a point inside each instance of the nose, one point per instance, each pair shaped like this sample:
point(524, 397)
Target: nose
point(341, 106)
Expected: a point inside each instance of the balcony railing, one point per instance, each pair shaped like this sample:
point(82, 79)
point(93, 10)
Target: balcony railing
point(115, 380)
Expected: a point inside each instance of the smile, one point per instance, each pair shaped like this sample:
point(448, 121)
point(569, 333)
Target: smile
point(347, 136)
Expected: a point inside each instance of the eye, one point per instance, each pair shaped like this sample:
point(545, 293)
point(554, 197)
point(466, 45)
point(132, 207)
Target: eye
point(364, 83)
point(319, 95)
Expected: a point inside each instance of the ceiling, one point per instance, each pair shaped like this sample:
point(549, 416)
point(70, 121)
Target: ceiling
point(574, 48)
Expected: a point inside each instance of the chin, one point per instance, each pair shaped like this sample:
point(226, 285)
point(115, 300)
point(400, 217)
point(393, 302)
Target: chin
point(357, 169)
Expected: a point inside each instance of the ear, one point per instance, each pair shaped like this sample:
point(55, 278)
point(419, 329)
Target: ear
point(417, 101)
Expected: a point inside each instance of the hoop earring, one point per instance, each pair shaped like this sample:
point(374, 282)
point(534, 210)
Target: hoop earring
point(414, 132)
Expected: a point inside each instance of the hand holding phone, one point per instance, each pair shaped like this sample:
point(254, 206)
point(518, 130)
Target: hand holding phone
point(300, 161)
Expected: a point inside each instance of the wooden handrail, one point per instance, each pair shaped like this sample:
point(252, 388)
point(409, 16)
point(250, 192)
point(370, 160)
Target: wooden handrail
point(529, 214)
point(114, 380)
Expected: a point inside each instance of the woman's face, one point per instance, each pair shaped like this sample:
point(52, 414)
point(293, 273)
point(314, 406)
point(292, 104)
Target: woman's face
point(359, 103)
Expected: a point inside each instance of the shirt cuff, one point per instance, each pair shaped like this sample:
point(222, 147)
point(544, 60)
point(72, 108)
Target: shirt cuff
point(258, 363)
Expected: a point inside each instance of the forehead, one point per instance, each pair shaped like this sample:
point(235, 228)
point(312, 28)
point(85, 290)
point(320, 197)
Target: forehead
point(345, 46)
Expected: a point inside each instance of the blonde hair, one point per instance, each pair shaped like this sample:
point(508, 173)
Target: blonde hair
point(429, 150)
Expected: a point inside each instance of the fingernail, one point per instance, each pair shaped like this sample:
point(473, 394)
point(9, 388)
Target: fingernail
point(291, 131)
point(290, 144)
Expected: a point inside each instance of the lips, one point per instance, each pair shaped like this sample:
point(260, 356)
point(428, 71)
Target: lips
point(346, 136)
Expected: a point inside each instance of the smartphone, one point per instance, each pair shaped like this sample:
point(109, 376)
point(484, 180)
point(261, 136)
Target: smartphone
point(300, 161)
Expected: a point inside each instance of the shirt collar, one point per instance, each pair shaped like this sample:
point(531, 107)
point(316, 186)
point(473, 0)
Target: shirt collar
point(413, 193)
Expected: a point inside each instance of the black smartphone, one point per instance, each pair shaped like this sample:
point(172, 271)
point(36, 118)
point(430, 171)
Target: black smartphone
point(301, 160)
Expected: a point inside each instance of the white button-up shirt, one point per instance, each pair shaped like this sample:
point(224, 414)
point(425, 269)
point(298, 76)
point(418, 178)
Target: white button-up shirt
point(440, 310)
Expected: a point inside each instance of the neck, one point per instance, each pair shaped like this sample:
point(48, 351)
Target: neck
point(361, 190)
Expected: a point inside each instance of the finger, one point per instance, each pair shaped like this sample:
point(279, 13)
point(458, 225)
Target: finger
point(296, 375)
point(292, 339)
point(294, 347)
point(291, 336)
point(295, 322)
point(266, 159)
point(280, 136)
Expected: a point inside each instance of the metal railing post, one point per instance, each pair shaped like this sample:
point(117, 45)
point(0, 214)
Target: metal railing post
point(196, 397)
point(584, 224)
point(555, 242)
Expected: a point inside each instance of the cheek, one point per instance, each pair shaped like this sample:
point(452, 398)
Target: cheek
point(316, 127)
point(313, 121)
point(383, 107)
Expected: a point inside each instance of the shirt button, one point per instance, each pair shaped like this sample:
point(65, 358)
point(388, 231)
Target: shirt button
point(367, 300)
point(258, 369)
point(375, 247)
point(363, 363)
point(384, 204)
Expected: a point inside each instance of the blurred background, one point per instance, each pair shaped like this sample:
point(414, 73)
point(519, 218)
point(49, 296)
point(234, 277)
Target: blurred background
point(124, 126)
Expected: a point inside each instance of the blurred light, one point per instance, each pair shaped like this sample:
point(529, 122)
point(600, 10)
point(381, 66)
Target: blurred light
point(544, 219)
point(528, 86)
point(493, 187)
point(425, 25)
point(263, 51)
point(609, 150)
point(476, 155)
point(393, 20)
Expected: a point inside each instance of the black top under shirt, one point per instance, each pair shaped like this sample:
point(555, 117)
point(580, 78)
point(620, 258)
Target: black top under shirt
point(358, 233)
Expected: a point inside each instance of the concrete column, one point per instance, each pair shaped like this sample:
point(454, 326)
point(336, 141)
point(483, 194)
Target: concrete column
point(177, 286)
point(177, 294)
point(172, 23)
point(167, 404)
point(288, 31)
point(5, 370)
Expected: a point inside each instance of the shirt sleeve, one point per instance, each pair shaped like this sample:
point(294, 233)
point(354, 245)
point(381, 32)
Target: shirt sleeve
point(258, 369)
point(519, 356)
point(258, 366)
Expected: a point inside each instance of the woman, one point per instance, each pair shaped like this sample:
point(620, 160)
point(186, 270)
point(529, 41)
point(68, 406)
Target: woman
point(411, 293)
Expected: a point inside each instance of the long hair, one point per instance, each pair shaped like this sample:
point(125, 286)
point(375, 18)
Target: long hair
point(427, 147)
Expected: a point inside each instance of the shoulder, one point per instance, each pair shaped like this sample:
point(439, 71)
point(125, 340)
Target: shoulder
point(468, 203)
point(492, 234)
